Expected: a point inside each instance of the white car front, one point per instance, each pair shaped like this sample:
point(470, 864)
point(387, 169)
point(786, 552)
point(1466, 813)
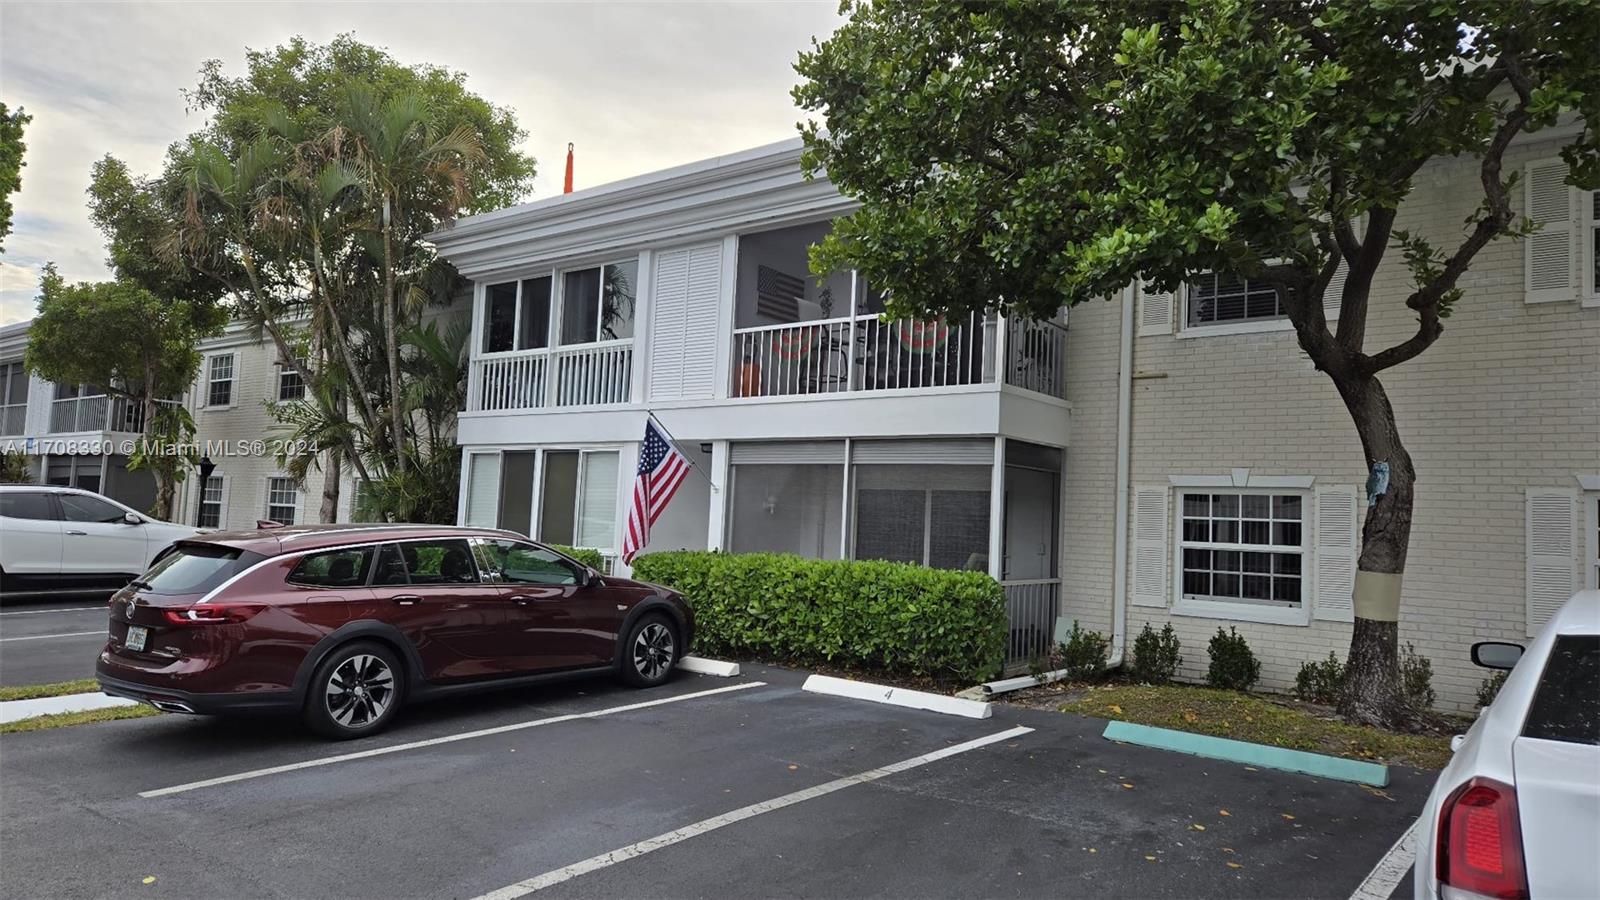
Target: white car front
point(57, 536)
point(1516, 813)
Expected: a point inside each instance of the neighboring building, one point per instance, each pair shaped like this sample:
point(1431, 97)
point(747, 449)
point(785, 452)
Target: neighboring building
point(994, 445)
point(74, 435)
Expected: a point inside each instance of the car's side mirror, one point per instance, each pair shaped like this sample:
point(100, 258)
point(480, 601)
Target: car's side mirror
point(1496, 654)
point(132, 519)
point(591, 578)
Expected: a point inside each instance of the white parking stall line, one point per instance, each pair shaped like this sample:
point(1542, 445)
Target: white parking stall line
point(650, 845)
point(1385, 876)
point(40, 637)
point(434, 742)
point(44, 612)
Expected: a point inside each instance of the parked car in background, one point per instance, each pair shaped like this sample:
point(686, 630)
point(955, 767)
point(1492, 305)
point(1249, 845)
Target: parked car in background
point(1516, 813)
point(344, 624)
point(54, 537)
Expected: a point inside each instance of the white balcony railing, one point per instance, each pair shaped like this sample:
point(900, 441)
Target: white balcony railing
point(864, 353)
point(1031, 609)
point(579, 375)
point(99, 412)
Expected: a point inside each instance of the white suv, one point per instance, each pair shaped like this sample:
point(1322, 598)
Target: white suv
point(59, 537)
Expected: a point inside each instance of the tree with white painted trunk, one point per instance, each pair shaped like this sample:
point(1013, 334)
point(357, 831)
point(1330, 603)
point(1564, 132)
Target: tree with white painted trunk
point(1024, 156)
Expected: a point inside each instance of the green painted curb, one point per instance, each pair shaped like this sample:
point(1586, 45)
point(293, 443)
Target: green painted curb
point(1250, 754)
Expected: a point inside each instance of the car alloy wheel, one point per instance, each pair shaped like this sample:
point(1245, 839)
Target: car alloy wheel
point(652, 652)
point(359, 691)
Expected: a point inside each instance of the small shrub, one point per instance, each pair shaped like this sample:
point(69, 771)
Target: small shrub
point(586, 555)
point(889, 617)
point(15, 468)
point(1084, 653)
point(1416, 679)
point(1320, 682)
point(1233, 666)
point(1155, 656)
point(1490, 688)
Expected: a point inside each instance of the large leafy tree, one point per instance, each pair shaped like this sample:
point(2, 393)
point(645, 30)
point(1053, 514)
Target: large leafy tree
point(11, 151)
point(306, 199)
point(127, 341)
point(1026, 155)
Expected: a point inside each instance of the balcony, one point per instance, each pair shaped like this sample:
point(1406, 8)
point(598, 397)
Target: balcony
point(595, 374)
point(867, 353)
point(98, 412)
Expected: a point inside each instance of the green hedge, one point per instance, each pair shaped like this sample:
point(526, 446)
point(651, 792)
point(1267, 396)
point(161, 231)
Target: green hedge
point(891, 617)
point(586, 555)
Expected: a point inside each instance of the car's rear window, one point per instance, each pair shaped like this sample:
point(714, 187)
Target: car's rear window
point(345, 567)
point(1566, 704)
point(195, 568)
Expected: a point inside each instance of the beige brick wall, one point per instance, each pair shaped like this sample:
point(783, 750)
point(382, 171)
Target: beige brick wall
point(1508, 399)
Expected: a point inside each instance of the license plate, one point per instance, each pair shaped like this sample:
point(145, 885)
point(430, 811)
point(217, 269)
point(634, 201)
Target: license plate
point(137, 634)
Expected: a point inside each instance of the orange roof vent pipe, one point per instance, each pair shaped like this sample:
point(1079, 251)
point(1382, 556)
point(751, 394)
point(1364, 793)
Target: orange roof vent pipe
point(566, 187)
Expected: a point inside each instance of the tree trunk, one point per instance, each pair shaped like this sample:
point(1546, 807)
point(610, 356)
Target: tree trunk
point(331, 472)
point(1371, 693)
point(392, 340)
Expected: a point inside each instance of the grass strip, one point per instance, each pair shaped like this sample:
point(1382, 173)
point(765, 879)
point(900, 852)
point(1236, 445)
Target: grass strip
point(62, 720)
point(55, 689)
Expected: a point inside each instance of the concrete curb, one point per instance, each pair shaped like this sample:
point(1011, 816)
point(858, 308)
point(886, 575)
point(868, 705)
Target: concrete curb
point(14, 710)
point(708, 666)
point(881, 693)
point(1249, 754)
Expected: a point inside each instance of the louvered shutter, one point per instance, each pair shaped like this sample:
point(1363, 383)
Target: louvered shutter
point(597, 510)
point(1155, 311)
point(1335, 549)
point(1150, 530)
point(1551, 254)
point(483, 490)
point(669, 297)
point(700, 322)
point(1551, 523)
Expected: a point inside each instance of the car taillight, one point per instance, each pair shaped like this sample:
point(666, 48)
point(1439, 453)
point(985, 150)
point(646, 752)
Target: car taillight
point(1480, 842)
point(210, 614)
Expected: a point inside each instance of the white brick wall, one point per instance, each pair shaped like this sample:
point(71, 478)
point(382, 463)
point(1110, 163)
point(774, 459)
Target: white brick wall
point(1508, 399)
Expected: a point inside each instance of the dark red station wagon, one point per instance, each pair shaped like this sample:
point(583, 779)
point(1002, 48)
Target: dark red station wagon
point(345, 623)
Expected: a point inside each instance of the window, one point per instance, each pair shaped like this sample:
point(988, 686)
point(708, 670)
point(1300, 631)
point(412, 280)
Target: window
point(579, 503)
point(13, 398)
point(1566, 704)
point(195, 569)
point(283, 500)
point(533, 313)
point(83, 508)
point(791, 507)
point(1592, 270)
point(1215, 299)
point(290, 385)
point(426, 563)
point(346, 567)
point(516, 315)
point(499, 317)
point(219, 380)
point(1242, 548)
point(26, 505)
point(517, 563)
point(935, 515)
point(211, 503)
point(598, 304)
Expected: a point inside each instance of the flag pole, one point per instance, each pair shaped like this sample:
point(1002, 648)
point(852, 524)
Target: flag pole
point(650, 414)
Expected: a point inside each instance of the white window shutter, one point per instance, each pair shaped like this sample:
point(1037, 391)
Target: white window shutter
point(1551, 254)
point(1155, 311)
point(1335, 563)
point(1150, 528)
point(683, 323)
point(1552, 521)
point(483, 490)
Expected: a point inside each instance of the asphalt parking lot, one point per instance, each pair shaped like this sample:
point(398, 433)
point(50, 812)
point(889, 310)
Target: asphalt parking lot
point(706, 787)
point(53, 639)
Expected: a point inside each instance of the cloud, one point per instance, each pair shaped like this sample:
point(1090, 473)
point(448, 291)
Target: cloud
point(636, 86)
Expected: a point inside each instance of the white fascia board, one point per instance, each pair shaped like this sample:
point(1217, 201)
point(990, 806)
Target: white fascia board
point(1296, 482)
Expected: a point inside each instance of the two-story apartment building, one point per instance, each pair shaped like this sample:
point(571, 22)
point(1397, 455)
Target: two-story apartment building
point(73, 435)
point(1171, 458)
point(816, 426)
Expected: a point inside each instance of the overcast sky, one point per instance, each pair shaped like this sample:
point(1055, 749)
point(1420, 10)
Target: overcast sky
point(636, 86)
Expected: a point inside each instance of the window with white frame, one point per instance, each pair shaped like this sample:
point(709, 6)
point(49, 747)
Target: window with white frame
point(578, 505)
point(1216, 299)
point(596, 304)
point(291, 386)
point(13, 398)
point(1241, 547)
point(283, 500)
point(1591, 269)
point(219, 380)
point(211, 503)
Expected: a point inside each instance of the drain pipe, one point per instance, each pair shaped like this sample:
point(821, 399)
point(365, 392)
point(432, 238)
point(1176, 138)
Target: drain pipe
point(1119, 552)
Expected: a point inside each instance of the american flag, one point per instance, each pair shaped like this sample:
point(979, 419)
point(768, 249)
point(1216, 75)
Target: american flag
point(661, 469)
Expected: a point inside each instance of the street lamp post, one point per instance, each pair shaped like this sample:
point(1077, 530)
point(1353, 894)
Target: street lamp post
point(206, 468)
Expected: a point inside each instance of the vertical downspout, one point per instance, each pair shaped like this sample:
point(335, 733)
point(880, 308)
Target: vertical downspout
point(1119, 553)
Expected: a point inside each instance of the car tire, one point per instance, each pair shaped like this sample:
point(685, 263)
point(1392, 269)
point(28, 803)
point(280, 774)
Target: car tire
point(355, 692)
point(650, 651)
